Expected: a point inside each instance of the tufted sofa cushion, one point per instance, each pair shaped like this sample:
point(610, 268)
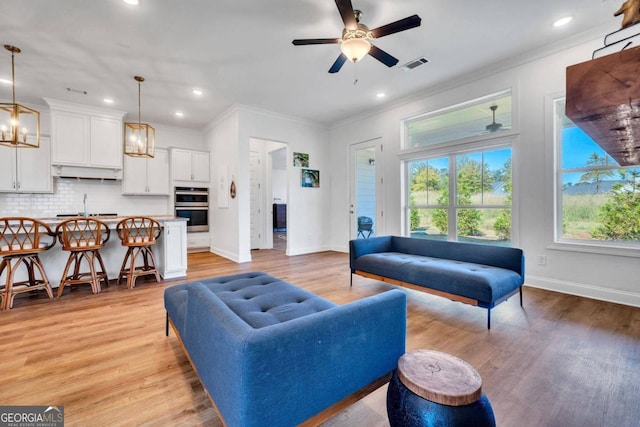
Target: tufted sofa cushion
point(256, 297)
point(262, 300)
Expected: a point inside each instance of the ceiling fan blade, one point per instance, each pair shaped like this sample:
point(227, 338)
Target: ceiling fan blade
point(396, 27)
point(338, 64)
point(383, 56)
point(302, 42)
point(346, 12)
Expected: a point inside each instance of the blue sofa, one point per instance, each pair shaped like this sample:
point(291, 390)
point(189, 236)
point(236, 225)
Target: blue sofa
point(482, 275)
point(271, 354)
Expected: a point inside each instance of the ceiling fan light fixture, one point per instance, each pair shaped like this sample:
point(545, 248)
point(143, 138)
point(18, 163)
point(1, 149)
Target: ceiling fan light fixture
point(355, 48)
point(17, 122)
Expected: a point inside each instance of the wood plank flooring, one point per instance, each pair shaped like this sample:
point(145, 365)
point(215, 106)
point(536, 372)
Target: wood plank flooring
point(561, 361)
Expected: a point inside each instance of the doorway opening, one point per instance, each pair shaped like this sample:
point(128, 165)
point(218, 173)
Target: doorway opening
point(365, 190)
point(268, 194)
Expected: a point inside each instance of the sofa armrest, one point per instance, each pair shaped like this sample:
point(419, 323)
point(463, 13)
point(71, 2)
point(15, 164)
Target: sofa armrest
point(360, 247)
point(286, 373)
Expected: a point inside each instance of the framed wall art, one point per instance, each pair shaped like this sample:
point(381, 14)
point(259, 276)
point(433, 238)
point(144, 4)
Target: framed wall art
point(301, 160)
point(310, 178)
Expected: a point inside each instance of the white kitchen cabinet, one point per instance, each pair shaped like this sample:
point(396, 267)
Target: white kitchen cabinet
point(26, 170)
point(198, 241)
point(190, 165)
point(173, 249)
point(85, 136)
point(147, 176)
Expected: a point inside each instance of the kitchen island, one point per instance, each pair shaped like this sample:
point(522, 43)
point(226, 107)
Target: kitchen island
point(170, 250)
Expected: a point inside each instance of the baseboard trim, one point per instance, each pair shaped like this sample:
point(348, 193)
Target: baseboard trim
point(225, 254)
point(582, 290)
point(308, 250)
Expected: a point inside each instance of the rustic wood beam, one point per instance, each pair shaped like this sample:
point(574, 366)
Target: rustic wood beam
point(603, 99)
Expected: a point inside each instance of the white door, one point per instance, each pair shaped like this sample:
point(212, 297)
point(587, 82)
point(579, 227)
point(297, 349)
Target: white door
point(255, 195)
point(366, 217)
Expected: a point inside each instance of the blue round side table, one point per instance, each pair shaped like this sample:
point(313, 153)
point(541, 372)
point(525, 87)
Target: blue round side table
point(435, 389)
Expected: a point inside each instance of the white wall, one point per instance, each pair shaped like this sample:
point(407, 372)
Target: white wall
point(600, 276)
point(221, 139)
point(308, 209)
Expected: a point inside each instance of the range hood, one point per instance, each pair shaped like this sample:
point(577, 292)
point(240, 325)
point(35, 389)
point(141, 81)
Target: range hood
point(80, 172)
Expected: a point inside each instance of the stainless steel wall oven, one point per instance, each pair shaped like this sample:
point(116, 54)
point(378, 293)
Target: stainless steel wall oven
point(193, 203)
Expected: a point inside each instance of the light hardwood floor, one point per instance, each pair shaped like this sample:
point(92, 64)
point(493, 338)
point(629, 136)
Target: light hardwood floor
point(561, 361)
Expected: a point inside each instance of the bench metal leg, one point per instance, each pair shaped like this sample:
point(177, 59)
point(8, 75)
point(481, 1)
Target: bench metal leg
point(521, 296)
point(351, 281)
point(166, 325)
point(488, 318)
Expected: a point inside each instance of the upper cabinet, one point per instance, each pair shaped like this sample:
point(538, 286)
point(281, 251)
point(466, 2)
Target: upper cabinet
point(147, 176)
point(190, 165)
point(26, 170)
point(85, 136)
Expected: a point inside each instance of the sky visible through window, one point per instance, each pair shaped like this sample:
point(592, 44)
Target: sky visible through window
point(577, 148)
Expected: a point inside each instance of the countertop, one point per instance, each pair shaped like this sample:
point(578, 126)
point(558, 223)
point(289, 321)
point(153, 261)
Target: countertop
point(112, 221)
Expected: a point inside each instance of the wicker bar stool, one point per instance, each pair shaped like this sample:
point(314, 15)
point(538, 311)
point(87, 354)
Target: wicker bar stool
point(138, 234)
point(83, 238)
point(21, 240)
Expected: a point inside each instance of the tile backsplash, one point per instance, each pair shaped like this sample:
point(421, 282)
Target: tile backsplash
point(102, 197)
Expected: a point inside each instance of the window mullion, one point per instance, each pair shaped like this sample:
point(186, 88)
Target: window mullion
point(453, 199)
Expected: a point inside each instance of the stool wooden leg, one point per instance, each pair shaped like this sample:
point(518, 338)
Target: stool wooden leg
point(131, 274)
point(3, 294)
point(35, 261)
point(95, 280)
point(123, 271)
point(103, 269)
point(65, 277)
point(11, 271)
point(153, 262)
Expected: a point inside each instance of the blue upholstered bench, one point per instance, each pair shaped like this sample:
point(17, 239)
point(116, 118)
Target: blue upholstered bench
point(271, 354)
point(476, 274)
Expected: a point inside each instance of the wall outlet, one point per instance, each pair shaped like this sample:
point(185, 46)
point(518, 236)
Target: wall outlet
point(542, 260)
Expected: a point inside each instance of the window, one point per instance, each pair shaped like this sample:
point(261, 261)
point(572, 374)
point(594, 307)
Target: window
point(486, 115)
point(458, 183)
point(598, 201)
point(462, 196)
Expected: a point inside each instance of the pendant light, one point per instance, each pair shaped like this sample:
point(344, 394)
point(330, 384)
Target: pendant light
point(18, 124)
point(139, 138)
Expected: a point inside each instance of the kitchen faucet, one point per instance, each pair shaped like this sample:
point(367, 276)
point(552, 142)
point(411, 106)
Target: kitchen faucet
point(84, 203)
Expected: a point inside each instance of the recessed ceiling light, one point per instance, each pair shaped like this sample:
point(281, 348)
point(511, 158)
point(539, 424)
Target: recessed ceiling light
point(132, 2)
point(197, 92)
point(562, 21)
point(381, 95)
point(108, 101)
point(179, 114)
point(5, 81)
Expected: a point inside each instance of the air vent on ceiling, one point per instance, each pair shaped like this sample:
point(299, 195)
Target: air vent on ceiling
point(80, 91)
point(414, 63)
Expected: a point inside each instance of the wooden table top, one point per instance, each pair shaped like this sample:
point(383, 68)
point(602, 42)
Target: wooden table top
point(440, 377)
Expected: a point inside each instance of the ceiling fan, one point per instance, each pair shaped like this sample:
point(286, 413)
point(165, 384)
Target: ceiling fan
point(493, 126)
point(356, 38)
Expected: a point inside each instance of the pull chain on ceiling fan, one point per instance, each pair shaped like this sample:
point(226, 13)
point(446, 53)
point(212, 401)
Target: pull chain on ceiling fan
point(356, 38)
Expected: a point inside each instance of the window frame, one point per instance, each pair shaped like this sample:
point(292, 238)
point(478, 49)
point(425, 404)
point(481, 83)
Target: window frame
point(451, 152)
point(558, 241)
